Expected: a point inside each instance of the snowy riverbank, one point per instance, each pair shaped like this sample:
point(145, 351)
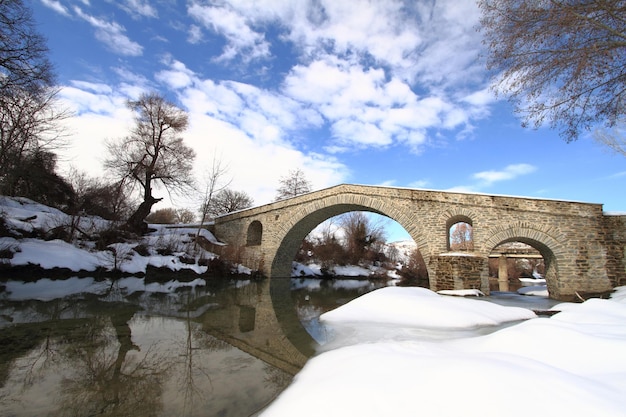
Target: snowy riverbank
point(387, 359)
point(29, 245)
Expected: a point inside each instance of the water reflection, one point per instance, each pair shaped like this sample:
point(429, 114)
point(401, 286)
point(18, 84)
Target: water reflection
point(130, 347)
point(125, 349)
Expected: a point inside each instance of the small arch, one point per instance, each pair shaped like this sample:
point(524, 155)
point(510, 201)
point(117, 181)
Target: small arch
point(549, 248)
point(460, 233)
point(255, 233)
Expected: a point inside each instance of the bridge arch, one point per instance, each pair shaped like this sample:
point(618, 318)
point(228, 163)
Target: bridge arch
point(293, 230)
point(548, 246)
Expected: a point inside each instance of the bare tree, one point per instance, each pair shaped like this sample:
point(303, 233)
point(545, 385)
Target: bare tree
point(24, 64)
point(295, 183)
point(30, 123)
point(171, 215)
point(361, 235)
point(30, 117)
point(214, 182)
point(97, 197)
point(153, 154)
point(185, 216)
point(560, 61)
point(615, 138)
point(461, 236)
point(227, 201)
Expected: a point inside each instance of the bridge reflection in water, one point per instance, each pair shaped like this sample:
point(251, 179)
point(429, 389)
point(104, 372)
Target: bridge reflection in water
point(225, 348)
point(261, 319)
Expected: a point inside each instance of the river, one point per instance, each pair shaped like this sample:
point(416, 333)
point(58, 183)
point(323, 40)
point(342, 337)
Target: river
point(130, 347)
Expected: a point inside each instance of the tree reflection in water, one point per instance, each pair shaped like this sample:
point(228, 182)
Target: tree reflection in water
point(139, 354)
point(106, 380)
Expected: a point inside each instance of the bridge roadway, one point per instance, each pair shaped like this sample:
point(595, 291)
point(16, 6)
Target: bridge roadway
point(583, 248)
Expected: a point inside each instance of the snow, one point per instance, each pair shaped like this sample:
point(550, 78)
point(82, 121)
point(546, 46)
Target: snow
point(463, 293)
point(424, 308)
point(23, 216)
point(351, 271)
point(314, 269)
point(570, 364)
point(55, 254)
point(538, 290)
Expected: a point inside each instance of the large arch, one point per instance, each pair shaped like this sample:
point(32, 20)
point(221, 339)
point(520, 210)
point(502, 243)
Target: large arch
point(548, 246)
point(293, 230)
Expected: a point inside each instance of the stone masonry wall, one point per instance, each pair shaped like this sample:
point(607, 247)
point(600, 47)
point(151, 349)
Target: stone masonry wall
point(615, 235)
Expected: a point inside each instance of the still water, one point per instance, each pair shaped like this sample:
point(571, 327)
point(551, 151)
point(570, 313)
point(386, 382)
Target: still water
point(130, 347)
point(83, 347)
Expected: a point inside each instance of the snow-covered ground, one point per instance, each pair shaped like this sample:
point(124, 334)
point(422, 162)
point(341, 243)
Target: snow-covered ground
point(386, 360)
point(23, 217)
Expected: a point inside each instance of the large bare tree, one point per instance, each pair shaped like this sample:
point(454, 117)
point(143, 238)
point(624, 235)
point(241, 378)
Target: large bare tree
point(153, 153)
point(562, 62)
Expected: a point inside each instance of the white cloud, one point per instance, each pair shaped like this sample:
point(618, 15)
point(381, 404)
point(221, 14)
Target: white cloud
point(138, 8)
point(242, 41)
point(508, 173)
point(178, 76)
point(485, 179)
point(257, 165)
point(112, 35)
point(88, 98)
point(378, 72)
point(365, 109)
point(419, 184)
point(194, 34)
point(56, 6)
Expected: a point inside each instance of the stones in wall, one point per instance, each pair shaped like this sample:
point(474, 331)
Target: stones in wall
point(457, 272)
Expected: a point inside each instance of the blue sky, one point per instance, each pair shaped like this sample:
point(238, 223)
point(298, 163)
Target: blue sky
point(379, 93)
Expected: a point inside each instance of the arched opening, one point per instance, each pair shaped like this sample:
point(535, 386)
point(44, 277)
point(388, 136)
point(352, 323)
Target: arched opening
point(360, 244)
point(521, 265)
point(460, 232)
point(255, 233)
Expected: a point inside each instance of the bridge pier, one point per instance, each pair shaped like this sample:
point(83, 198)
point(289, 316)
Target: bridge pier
point(503, 274)
point(451, 271)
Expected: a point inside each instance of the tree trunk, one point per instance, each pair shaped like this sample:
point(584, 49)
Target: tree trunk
point(135, 222)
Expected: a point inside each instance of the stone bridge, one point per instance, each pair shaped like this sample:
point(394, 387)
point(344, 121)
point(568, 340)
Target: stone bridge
point(583, 249)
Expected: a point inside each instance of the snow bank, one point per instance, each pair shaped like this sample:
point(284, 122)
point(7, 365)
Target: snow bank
point(55, 254)
point(537, 290)
point(423, 308)
point(571, 364)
